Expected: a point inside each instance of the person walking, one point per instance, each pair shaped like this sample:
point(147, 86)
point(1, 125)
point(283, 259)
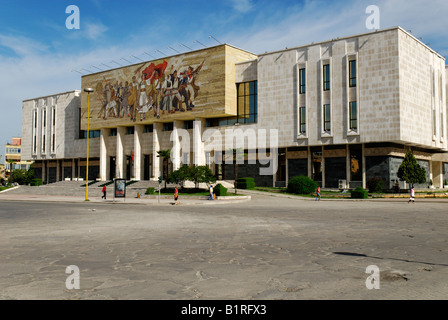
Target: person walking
point(317, 193)
point(176, 194)
point(211, 192)
point(412, 194)
point(104, 192)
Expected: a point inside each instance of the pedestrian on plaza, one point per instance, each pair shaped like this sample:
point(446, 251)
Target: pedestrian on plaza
point(176, 194)
point(412, 198)
point(211, 192)
point(318, 193)
point(104, 193)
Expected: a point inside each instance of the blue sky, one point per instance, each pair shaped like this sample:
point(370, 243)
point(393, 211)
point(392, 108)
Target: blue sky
point(39, 56)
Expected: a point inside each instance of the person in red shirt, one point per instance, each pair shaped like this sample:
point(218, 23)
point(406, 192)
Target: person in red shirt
point(176, 194)
point(104, 192)
point(318, 193)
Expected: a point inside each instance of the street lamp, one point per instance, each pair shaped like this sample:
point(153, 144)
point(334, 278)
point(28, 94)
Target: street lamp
point(89, 91)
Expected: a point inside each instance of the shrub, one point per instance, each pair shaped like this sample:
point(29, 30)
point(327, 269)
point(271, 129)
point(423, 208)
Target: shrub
point(245, 183)
point(150, 190)
point(36, 182)
point(301, 185)
point(375, 184)
point(220, 190)
point(359, 193)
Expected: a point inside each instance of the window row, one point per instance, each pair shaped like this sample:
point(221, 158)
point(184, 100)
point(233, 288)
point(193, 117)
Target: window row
point(326, 76)
point(326, 118)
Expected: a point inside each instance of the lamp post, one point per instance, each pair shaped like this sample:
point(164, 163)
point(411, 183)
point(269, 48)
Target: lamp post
point(89, 91)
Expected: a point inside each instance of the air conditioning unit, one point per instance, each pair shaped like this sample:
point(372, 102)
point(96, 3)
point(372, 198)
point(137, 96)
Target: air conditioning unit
point(342, 184)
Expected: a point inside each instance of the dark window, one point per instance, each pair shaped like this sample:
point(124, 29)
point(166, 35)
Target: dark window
point(327, 118)
point(113, 132)
point(168, 126)
point(352, 73)
point(326, 77)
point(188, 124)
point(302, 80)
point(148, 128)
point(130, 130)
point(353, 115)
point(302, 112)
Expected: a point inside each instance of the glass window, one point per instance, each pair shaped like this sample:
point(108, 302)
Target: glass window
point(353, 115)
point(148, 128)
point(129, 130)
point(113, 132)
point(302, 80)
point(168, 126)
point(352, 73)
point(302, 112)
point(326, 77)
point(327, 118)
point(247, 101)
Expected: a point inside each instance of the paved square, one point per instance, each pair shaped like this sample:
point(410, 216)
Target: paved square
point(267, 248)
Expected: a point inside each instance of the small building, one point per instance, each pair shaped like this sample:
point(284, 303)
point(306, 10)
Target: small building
point(13, 157)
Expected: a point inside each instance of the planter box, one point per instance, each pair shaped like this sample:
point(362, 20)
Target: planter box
point(68, 179)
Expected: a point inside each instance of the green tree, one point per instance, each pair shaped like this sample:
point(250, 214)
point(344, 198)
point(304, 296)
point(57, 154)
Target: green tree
point(410, 171)
point(202, 174)
point(11, 163)
point(165, 155)
point(181, 175)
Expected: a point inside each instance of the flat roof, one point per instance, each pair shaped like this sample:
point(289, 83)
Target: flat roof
point(355, 36)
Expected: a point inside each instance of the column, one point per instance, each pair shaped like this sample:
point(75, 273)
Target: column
point(44, 172)
point(121, 132)
point(73, 169)
point(348, 166)
point(364, 173)
point(103, 154)
point(157, 169)
point(198, 144)
point(138, 138)
point(176, 156)
point(58, 172)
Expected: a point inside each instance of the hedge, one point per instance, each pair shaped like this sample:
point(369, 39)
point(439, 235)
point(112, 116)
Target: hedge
point(359, 193)
point(220, 190)
point(245, 183)
point(302, 185)
point(36, 182)
point(150, 190)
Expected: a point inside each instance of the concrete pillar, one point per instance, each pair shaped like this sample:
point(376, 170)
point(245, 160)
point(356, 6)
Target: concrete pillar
point(138, 138)
point(120, 165)
point(103, 154)
point(44, 172)
point(176, 156)
point(364, 172)
point(310, 164)
point(198, 144)
point(156, 167)
point(58, 172)
point(73, 169)
point(348, 165)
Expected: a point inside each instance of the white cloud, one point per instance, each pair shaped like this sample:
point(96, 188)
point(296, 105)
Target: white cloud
point(242, 6)
point(94, 30)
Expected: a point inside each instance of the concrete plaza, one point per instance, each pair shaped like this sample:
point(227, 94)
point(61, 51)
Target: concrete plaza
point(270, 247)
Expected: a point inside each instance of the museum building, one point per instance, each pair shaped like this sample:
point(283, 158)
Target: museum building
point(340, 111)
